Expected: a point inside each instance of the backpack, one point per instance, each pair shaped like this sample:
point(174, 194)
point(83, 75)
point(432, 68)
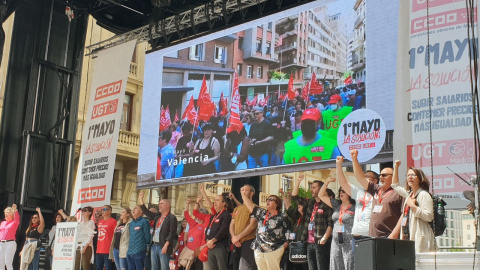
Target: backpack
point(438, 223)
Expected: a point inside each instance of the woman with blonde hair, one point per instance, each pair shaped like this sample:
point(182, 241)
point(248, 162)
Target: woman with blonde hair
point(31, 249)
point(121, 236)
point(417, 209)
point(8, 231)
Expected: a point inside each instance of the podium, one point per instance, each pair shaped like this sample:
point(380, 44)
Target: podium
point(384, 254)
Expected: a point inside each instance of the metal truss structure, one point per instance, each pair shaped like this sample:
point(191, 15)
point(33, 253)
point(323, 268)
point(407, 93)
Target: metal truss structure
point(197, 21)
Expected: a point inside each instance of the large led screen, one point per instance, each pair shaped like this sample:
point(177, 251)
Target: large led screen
point(264, 97)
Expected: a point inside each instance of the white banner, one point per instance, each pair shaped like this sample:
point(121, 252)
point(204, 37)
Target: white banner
point(65, 245)
point(100, 134)
point(447, 81)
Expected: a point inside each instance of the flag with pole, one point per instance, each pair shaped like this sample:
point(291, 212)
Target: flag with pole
point(315, 87)
point(234, 123)
point(291, 93)
point(176, 116)
point(305, 91)
point(222, 104)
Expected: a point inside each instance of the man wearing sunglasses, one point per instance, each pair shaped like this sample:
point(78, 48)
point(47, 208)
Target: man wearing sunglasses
point(387, 204)
point(261, 135)
point(164, 233)
point(106, 228)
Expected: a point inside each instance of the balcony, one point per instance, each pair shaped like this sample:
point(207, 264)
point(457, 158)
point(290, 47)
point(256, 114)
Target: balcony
point(358, 64)
point(133, 70)
point(287, 63)
point(128, 142)
point(263, 199)
point(286, 47)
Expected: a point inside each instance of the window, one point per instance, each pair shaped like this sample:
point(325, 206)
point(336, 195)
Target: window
point(249, 72)
point(259, 72)
point(269, 26)
point(469, 237)
point(468, 226)
point(220, 55)
point(239, 69)
point(197, 52)
point(240, 42)
point(126, 121)
point(269, 47)
point(259, 45)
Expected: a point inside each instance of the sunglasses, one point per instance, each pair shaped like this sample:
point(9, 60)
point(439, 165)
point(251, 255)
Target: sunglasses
point(385, 174)
point(105, 209)
point(271, 199)
point(257, 113)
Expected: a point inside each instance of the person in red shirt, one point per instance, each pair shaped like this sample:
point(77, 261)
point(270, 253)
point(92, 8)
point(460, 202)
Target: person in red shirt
point(8, 231)
point(106, 229)
point(177, 250)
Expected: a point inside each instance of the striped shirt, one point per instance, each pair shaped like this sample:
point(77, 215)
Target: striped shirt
point(139, 236)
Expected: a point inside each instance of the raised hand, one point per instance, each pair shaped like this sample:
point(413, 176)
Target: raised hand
point(354, 154)
point(199, 198)
point(281, 191)
point(397, 164)
point(188, 201)
point(37, 209)
point(329, 180)
point(339, 160)
point(14, 207)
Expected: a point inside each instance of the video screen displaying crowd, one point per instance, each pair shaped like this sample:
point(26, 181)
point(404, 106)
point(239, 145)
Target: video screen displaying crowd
point(284, 131)
point(316, 232)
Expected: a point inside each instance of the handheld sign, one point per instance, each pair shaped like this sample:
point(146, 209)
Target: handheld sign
point(363, 130)
point(65, 246)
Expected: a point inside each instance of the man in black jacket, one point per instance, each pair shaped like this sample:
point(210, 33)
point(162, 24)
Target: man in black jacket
point(216, 235)
point(163, 235)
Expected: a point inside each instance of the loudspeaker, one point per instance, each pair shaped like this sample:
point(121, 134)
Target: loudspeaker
point(384, 254)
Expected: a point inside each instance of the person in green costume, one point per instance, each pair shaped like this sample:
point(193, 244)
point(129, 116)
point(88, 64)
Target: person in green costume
point(310, 145)
point(334, 115)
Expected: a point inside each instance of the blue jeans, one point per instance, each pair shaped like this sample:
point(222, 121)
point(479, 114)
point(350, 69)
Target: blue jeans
point(35, 261)
point(159, 260)
point(261, 161)
point(120, 263)
point(136, 261)
point(103, 260)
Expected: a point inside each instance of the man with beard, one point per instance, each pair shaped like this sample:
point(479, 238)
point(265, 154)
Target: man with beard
point(311, 145)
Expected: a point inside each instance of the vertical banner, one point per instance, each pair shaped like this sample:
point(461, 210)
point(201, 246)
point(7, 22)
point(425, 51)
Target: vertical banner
point(65, 245)
point(438, 97)
point(100, 134)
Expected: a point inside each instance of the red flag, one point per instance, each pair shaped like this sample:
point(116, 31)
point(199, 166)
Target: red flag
point(204, 98)
point(190, 113)
point(164, 118)
point(291, 93)
point(348, 80)
point(280, 96)
point(167, 115)
point(223, 105)
point(315, 87)
point(264, 101)
point(206, 112)
point(305, 92)
point(234, 123)
point(176, 116)
point(189, 107)
point(252, 102)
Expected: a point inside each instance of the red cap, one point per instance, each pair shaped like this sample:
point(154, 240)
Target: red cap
point(311, 114)
point(203, 256)
point(334, 99)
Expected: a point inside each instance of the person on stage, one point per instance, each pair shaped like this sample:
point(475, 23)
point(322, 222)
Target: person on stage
point(8, 232)
point(34, 231)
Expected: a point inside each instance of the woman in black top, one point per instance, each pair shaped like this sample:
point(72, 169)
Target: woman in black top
point(119, 246)
point(34, 231)
point(205, 152)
